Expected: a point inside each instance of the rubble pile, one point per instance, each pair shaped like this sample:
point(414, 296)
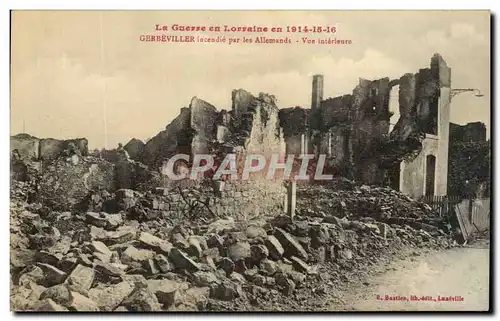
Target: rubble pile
point(65, 182)
point(98, 261)
point(381, 203)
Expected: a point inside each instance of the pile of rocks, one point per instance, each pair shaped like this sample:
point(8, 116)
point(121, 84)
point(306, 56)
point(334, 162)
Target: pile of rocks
point(380, 203)
point(97, 261)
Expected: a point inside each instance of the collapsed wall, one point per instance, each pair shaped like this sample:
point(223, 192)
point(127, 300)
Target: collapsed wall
point(353, 129)
point(68, 179)
point(251, 126)
point(32, 148)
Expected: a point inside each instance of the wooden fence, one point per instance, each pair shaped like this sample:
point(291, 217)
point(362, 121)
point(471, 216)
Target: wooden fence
point(442, 204)
point(473, 216)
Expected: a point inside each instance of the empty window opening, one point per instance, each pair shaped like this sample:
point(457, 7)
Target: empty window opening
point(393, 107)
point(430, 174)
point(394, 176)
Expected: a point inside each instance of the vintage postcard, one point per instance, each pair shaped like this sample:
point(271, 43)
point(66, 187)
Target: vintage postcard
point(175, 161)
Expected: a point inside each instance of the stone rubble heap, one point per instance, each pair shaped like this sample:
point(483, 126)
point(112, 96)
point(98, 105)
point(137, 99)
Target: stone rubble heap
point(98, 261)
point(353, 202)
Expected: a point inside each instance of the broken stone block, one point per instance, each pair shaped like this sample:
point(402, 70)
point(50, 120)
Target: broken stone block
point(291, 246)
point(96, 219)
point(155, 243)
point(237, 277)
point(168, 292)
point(268, 267)
point(53, 275)
point(47, 238)
point(125, 199)
point(333, 220)
point(182, 261)
point(250, 274)
point(61, 247)
point(135, 148)
point(33, 274)
point(179, 241)
point(213, 253)
point(23, 297)
point(226, 291)
point(319, 236)
point(164, 263)
point(301, 228)
point(152, 267)
point(275, 248)
point(107, 270)
point(330, 254)
point(215, 241)
point(259, 253)
point(100, 247)
point(345, 254)
point(221, 226)
point(202, 278)
point(96, 233)
point(209, 262)
point(47, 305)
point(197, 296)
point(239, 251)
point(101, 257)
point(254, 231)
point(318, 255)
point(289, 287)
point(236, 236)
point(81, 303)
point(227, 265)
point(84, 259)
point(300, 265)
point(60, 294)
point(280, 278)
point(202, 241)
point(194, 247)
point(81, 279)
point(373, 227)
point(143, 300)
point(21, 258)
point(383, 229)
point(136, 258)
point(121, 235)
point(240, 266)
point(121, 309)
point(138, 280)
point(109, 297)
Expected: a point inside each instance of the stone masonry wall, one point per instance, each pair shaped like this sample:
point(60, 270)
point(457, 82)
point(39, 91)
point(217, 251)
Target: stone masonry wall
point(238, 199)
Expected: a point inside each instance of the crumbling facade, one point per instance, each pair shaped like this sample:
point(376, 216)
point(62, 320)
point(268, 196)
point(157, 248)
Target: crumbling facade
point(353, 130)
point(250, 126)
point(470, 132)
point(469, 169)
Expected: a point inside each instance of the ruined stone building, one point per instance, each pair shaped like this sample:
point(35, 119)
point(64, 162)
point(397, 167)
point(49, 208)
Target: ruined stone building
point(354, 130)
point(469, 166)
point(470, 132)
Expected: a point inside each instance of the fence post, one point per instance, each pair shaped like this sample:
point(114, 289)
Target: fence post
point(470, 210)
point(291, 199)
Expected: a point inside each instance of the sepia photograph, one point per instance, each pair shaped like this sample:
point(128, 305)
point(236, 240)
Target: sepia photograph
point(250, 161)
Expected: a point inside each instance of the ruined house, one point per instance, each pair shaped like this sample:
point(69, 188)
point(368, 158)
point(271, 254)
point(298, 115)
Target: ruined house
point(354, 130)
point(469, 166)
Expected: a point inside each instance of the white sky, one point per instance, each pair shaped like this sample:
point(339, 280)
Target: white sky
point(65, 68)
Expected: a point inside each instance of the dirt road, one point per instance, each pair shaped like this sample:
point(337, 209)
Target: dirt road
point(460, 275)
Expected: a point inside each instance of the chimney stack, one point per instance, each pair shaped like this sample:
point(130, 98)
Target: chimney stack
point(317, 91)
